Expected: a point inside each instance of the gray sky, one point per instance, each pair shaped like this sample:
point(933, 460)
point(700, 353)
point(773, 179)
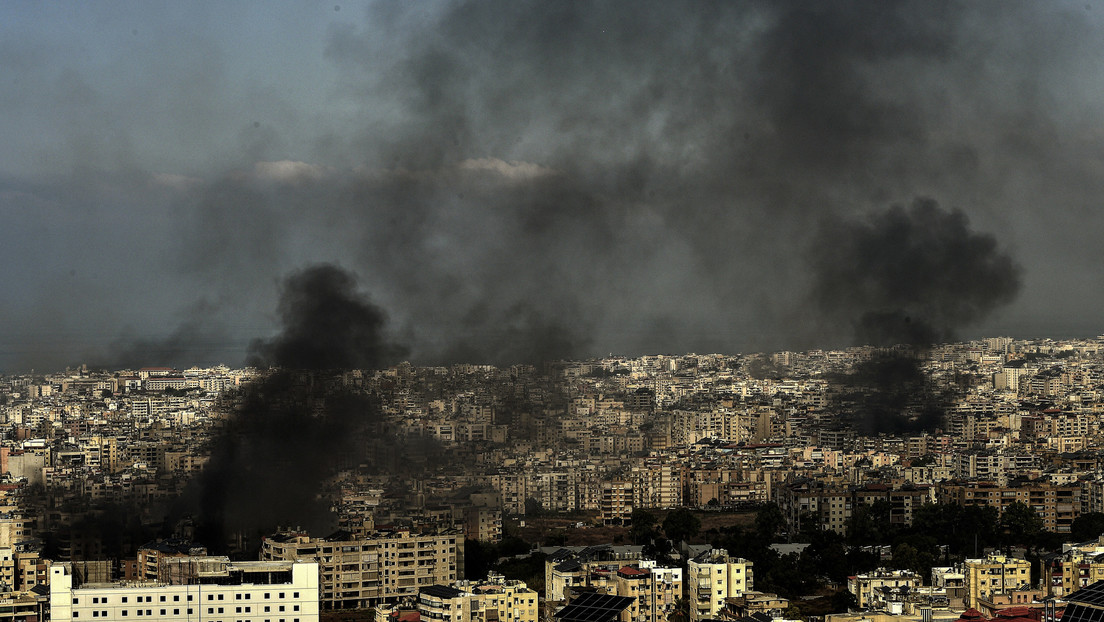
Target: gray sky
point(520, 180)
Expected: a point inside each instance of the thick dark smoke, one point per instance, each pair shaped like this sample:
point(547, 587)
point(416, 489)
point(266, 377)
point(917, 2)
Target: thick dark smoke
point(912, 275)
point(292, 430)
point(530, 180)
point(327, 325)
point(906, 277)
point(557, 180)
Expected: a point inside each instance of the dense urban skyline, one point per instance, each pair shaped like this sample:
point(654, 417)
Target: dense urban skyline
point(520, 181)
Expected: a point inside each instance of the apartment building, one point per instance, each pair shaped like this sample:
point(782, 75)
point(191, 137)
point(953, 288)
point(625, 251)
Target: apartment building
point(1058, 506)
point(712, 577)
point(616, 503)
point(587, 567)
point(212, 589)
point(495, 599)
point(657, 485)
point(829, 505)
point(380, 567)
point(994, 574)
point(866, 586)
point(1076, 567)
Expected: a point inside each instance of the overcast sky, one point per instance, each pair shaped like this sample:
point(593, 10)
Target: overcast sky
point(513, 181)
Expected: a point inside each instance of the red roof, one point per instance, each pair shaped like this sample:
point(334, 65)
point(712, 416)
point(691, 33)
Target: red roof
point(629, 570)
point(972, 614)
point(1018, 612)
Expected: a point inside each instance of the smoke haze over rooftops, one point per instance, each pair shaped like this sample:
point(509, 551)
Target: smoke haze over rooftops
point(517, 181)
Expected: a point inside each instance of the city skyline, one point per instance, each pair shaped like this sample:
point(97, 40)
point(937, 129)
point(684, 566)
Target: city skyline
point(513, 182)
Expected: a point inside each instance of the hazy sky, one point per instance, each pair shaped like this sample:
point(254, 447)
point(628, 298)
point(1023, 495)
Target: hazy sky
point(520, 180)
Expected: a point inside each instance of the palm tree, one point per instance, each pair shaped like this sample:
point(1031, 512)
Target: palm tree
point(681, 611)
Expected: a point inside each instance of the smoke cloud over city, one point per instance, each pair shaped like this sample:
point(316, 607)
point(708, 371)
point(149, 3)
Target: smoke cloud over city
point(914, 275)
point(292, 430)
point(525, 181)
point(906, 277)
point(327, 325)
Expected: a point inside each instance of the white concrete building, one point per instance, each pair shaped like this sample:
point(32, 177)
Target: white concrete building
point(193, 589)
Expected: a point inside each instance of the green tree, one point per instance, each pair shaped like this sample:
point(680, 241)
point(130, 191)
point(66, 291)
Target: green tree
point(643, 526)
point(769, 521)
point(681, 525)
point(1021, 524)
point(681, 612)
point(843, 601)
point(1087, 527)
point(533, 507)
point(869, 523)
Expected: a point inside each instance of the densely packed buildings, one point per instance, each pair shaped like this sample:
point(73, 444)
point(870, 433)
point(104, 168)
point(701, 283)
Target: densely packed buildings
point(1015, 421)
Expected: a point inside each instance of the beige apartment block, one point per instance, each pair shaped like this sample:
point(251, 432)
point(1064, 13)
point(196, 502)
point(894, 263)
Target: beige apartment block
point(382, 567)
point(865, 585)
point(495, 599)
point(995, 574)
point(712, 577)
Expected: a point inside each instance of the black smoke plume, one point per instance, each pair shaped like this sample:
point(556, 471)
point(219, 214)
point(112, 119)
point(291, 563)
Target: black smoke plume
point(906, 277)
point(327, 325)
point(912, 275)
point(292, 430)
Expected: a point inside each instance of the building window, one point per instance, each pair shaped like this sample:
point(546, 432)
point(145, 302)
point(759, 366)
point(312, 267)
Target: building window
point(123, 613)
point(124, 599)
point(162, 598)
point(176, 612)
point(176, 598)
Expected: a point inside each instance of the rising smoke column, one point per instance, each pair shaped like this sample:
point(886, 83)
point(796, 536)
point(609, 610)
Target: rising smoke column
point(327, 325)
point(910, 275)
point(907, 277)
point(290, 431)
